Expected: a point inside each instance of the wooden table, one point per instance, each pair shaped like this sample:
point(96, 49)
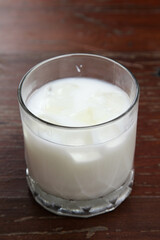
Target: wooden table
point(127, 31)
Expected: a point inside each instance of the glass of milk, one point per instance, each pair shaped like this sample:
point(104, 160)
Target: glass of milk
point(79, 117)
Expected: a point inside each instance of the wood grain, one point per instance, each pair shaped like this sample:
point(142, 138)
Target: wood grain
point(127, 31)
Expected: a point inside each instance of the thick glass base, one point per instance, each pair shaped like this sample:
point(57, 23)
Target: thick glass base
point(84, 208)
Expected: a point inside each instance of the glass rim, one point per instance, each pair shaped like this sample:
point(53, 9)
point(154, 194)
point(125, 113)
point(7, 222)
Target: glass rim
point(23, 105)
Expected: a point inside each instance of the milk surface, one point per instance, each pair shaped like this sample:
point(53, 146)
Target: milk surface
point(82, 163)
point(78, 102)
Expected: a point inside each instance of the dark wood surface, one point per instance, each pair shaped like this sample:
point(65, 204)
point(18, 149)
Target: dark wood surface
point(127, 31)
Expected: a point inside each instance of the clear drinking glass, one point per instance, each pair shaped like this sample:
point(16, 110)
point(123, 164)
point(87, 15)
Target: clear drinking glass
point(79, 171)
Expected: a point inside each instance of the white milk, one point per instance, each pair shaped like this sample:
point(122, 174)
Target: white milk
point(78, 102)
point(79, 163)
